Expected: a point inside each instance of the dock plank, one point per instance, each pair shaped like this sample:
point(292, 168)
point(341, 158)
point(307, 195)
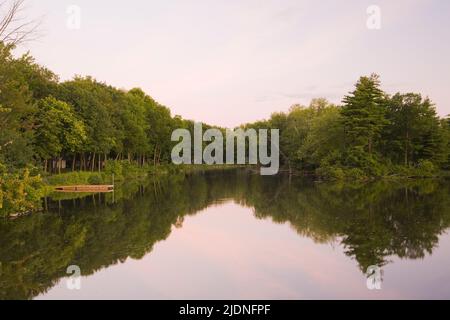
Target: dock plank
point(85, 188)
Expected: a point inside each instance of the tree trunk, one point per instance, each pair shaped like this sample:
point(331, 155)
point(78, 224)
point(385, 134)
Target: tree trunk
point(93, 162)
point(159, 156)
point(406, 148)
point(74, 161)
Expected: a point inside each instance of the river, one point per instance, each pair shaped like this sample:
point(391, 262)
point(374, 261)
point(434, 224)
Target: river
point(233, 235)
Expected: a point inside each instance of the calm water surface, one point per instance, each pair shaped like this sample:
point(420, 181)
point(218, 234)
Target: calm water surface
point(232, 235)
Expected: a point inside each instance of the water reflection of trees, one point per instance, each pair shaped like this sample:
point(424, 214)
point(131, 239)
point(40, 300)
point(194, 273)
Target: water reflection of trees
point(372, 221)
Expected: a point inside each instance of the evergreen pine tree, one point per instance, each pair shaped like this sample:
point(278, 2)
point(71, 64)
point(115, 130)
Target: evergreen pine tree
point(363, 115)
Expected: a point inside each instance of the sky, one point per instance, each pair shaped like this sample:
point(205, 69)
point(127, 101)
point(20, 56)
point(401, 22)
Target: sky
point(228, 62)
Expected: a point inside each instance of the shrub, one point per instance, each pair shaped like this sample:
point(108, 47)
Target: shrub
point(20, 193)
point(69, 178)
point(398, 170)
point(355, 174)
point(130, 170)
point(426, 168)
point(331, 173)
point(114, 168)
point(95, 179)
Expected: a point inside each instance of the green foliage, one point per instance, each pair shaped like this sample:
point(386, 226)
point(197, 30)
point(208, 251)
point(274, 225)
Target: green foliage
point(122, 170)
point(324, 144)
point(331, 173)
point(131, 169)
point(16, 101)
point(309, 136)
point(57, 129)
point(334, 173)
point(91, 126)
point(70, 178)
point(82, 121)
point(2, 177)
point(445, 124)
point(355, 174)
point(95, 179)
point(371, 135)
point(415, 131)
point(93, 102)
point(114, 168)
point(426, 168)
point(19, 192)
point(363, 114)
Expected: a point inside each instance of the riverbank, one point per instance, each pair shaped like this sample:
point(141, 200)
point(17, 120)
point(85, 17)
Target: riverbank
point(117, 174)
point(345, 174)
point(424, 170)
point(22, 193)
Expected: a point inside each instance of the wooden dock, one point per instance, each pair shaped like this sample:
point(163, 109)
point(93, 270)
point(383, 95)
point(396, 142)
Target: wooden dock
point(86, 189)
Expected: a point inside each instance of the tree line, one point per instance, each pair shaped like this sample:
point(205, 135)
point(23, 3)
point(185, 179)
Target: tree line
point(82, 123)
point(370, 134)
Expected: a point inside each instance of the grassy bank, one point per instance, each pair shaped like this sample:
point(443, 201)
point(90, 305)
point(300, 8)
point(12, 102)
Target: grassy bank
point(118, 173)
point(424, 169)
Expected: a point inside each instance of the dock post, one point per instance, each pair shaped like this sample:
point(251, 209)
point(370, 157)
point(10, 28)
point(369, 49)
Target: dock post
point(114, 189)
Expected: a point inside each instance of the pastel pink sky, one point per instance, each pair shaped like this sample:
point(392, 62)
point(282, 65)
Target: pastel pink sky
point(236, 61)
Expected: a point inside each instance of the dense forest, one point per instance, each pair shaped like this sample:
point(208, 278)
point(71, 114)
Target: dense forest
point(48, 126)
point(81, 121)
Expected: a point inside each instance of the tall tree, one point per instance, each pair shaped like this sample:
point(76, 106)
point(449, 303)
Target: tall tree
point(94, 103)
point(15, 97)
point(363, 115)
point(414, 132)
point(324, 145)
point(58, 130)
point(446, 126)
